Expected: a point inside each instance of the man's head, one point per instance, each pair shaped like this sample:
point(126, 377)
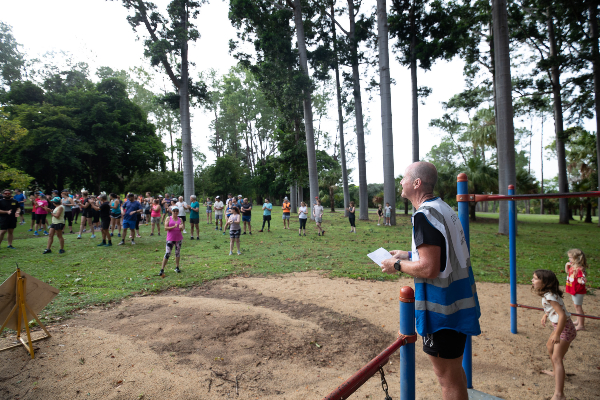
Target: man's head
point(6, 193)
point(130, 197)
point(181, 198)
point(18, 191)
point(229, 195)
point(239, 196)
point(245, 199)
point(193, 198)
point(419, 179)
point(217, 198)
point(285, 199)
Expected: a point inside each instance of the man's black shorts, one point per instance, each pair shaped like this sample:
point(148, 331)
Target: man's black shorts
point(105, 223)
point(40, 218)
point(445, 343)
point(7, 223)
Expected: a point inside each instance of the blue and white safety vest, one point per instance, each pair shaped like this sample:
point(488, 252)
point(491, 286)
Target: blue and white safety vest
point(450, 300)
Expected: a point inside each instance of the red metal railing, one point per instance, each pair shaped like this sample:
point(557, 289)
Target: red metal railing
point(352, 384)
point(502, 197)
point(541, 309)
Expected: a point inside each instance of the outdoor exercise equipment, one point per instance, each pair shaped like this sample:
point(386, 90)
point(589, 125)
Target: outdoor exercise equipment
point(464, 198)
point(405, 342)
point(22, 297)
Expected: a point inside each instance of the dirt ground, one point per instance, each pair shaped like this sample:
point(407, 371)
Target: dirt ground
point(290, 337)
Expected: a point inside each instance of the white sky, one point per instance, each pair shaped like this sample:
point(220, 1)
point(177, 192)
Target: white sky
point(97, 32)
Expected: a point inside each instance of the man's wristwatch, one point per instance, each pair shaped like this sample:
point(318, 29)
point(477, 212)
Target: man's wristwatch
point(397, 266)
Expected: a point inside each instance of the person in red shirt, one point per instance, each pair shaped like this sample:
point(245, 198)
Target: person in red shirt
point(575, 270)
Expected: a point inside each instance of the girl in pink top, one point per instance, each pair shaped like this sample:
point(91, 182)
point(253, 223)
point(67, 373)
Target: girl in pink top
point(173, 226)
point(40, 214)
point(155, 216)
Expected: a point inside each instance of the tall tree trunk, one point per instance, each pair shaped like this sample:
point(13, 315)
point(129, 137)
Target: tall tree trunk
point(563, 184)
point(414, 84)
point(505, 134)
point(588, 212)
point(184, 110)
point(360, 132)
point(387, 135)
point(308, 115)
point(293, 198)
point(593, 22)
point(340, 118)
point(331, 198)
point(542, 167)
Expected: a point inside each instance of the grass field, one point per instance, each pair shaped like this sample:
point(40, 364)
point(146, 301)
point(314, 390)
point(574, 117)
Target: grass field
point(87, 274)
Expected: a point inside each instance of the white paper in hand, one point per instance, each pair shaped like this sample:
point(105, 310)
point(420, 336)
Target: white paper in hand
point(379, 255)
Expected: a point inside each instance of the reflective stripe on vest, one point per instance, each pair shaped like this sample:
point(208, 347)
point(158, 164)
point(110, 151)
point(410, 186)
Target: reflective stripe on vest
point(450, 300)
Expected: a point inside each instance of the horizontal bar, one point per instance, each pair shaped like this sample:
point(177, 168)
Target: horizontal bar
point(541, 309)
point(352, 384)
point(21, 344)
point(501, 197)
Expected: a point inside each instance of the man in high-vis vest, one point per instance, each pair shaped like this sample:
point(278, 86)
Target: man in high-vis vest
point(446, 304)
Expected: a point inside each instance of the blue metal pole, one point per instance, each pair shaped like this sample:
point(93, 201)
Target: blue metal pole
point(512, 246)
point(462, 188)
point(407, 352)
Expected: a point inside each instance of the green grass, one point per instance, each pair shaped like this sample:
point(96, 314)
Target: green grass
point(87, 274)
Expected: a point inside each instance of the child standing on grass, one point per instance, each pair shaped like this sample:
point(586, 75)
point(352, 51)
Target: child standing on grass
point(388, 214)
point(302, 217)
point(352, 217)
point(379, 214)
point(545, 285)
point(318, 214)
point(575, 270)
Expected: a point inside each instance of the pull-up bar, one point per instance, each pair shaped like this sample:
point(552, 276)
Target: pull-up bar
point(464, 198)
point(541, 309)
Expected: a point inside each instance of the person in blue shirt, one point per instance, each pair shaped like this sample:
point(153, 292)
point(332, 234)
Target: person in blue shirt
point(194, 216)
point(131, 209)
point(267, 207)
point(20, 198)
point(446, 302)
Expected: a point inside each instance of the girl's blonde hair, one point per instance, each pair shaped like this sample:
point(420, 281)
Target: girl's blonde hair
point(578, 258)
point(303, 204)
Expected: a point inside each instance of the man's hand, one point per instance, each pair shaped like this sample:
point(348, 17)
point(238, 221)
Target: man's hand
point(9, 212)
point(387, 266)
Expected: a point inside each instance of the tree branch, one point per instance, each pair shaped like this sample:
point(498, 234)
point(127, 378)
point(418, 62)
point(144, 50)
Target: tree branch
point(142, 10)
point(335, 20)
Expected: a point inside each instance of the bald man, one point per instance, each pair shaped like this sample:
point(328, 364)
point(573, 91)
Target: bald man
point(446, 304)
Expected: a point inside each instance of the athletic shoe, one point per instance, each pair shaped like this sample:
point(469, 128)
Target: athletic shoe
point(197, 237)
point(47, 251)
point(323, 233)
point(191, 238)
point(159, 234)
point(251, 233)
point(109, 244)
point(10, 246)
point(78, 236)
point(61, 251)
point(122, 242)
point(111, 234)
point(119, 235)
point(184, 231)
point(101, 244)
point(138, 236)
point(45, 233)
point(305, 234)
point(319, 233)
point(239, 254)
point(132, 242)
point(84, 230)
point(230, 253)
point(299, 234)
point(29, 230)
point(377, 224)
point(177, 270)
point(244, 233)
point(93, 237)
point(35, 233)
point(223, 233)
point(152, 234)
point(161, 273)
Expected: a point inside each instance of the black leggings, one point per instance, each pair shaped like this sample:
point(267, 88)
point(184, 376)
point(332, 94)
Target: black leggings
point(266, 218)
point(302, 223)
point(352, 221)
point(69, 217)
point(75, 214)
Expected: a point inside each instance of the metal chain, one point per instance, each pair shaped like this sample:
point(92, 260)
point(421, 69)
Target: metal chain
point(384, 384)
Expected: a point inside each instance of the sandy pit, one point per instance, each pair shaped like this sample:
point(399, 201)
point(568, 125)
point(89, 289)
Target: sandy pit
point(290, 337)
